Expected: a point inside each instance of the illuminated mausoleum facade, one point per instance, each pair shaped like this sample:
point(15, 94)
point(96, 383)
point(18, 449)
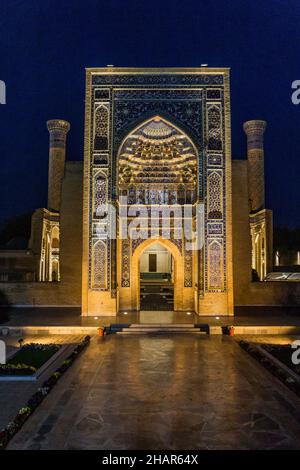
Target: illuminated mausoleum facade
point(154, 140)
point(158, 216)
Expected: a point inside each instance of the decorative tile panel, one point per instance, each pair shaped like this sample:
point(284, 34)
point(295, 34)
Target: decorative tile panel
point(215, 195)
point(100, 193)
point(215, 160)
point(194, 103)
point(188, 268)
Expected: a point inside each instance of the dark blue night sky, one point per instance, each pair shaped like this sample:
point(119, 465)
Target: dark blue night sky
point(45, 46)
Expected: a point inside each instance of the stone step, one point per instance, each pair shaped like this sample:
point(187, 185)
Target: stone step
point(146, 331)
point(162, 325)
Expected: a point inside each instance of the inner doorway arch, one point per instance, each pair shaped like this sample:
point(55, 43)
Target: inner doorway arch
point(178, 271)
point(157, 168)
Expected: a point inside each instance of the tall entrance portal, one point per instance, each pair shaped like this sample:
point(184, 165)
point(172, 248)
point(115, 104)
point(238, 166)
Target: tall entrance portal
point(157, 148)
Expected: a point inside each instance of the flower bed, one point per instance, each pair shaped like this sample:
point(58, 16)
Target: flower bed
point(14, 426)
point(275, 370)
point(29, 359)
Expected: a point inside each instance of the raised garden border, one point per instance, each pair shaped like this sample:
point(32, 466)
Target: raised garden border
point(34, 377)
point(36, 399)
point(279, 370)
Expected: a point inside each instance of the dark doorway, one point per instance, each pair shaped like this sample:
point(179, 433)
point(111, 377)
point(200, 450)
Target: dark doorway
point(156, 279)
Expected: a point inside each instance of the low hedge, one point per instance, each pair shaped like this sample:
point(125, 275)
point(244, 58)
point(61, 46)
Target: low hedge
point(36, 399)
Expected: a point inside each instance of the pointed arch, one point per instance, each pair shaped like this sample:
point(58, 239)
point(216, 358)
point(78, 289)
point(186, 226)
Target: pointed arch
point(101, 127)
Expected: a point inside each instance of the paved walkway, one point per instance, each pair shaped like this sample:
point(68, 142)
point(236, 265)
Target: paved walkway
point(164, 393)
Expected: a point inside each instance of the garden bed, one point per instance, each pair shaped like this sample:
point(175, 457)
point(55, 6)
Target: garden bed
point(28, 359)
point(24, 413)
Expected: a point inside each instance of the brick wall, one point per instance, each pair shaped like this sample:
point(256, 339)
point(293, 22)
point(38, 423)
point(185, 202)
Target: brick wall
point(247, 293)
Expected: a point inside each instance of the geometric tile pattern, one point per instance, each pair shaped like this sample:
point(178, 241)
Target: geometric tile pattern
point(161, 393)
point(195, 104)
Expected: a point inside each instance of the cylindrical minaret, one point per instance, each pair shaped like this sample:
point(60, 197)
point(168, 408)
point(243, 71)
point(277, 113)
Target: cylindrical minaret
point(58, 130)
point(256, 173)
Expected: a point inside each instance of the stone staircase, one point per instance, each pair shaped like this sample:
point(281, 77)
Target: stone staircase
point(163, 328)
